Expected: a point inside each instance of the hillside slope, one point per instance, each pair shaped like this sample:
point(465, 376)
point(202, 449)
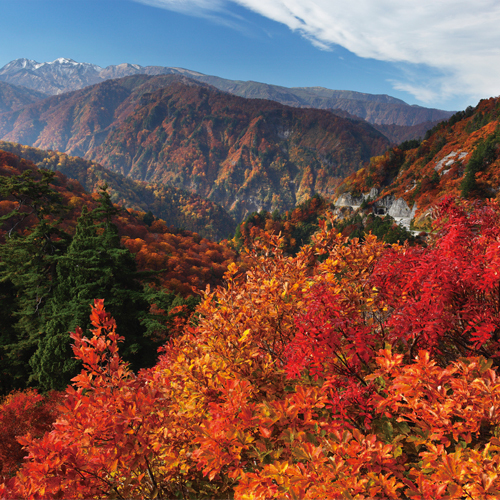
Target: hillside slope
point(13, 97)
point(180, 209)
point(186, 259)
point(460, 157)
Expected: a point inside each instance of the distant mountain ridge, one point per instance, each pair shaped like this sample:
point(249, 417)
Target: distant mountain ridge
point(64, 75)
point(13, 97)
point(245, 154)
point(61, 75)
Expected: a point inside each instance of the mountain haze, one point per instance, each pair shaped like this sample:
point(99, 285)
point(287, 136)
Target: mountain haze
point(379, 109)
point(13, 97)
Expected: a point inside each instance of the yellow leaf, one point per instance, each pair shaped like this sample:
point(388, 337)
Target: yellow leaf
point(232, 268)
point(244, 336)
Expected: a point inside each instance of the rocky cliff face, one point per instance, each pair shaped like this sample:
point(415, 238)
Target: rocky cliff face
point(397, 208)
point(355, 201)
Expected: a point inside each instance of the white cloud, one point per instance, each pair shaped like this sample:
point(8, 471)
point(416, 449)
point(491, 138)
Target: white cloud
point(460, 38)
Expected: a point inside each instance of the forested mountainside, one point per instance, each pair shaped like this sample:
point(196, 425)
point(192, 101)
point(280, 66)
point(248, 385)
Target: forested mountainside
point(179, 208)
point(63, 75)
point(156, 244)
point(459, 157)
point(245, 154)
point(13, 97)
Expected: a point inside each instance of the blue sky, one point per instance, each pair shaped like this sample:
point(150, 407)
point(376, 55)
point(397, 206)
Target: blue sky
point(439, 53)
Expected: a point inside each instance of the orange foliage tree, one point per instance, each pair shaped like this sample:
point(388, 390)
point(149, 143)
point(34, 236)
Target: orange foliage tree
point(23, 412)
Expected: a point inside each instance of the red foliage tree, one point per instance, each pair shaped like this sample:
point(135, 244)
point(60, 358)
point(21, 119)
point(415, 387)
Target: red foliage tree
point(23, 412)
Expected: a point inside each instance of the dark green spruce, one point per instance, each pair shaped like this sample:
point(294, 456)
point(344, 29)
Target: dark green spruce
point(95, 266)
point(27, 269)
point(49, 279)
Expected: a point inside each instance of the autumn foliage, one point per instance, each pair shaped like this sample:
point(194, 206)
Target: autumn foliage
point(22, 413)
point(352, 370)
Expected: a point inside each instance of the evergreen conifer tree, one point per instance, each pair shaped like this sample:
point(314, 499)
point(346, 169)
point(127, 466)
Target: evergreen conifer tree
point(94, 267)
point(33, 243)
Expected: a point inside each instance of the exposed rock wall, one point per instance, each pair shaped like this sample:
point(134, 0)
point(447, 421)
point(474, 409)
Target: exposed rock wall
point(348, 200)
point(388, 205)
point(400, 209)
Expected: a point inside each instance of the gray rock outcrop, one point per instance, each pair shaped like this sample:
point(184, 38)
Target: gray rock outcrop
point(397, 208)
point(400, 209)
point(348, 200)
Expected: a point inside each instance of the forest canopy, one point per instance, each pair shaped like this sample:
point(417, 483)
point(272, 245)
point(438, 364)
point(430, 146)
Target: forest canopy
point(354, 369)
point(62, 248)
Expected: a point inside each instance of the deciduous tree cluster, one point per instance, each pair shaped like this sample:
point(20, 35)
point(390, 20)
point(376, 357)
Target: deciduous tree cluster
point(354, 369)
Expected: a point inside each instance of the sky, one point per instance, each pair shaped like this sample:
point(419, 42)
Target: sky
point(434, 53)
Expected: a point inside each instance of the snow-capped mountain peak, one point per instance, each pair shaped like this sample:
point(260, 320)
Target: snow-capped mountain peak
point(19, 64)
point(61, 75)
point(64, 60)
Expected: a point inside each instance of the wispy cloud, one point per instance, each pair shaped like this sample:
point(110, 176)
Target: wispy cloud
point(459, 38)
point(191, 7)
point(211, 9)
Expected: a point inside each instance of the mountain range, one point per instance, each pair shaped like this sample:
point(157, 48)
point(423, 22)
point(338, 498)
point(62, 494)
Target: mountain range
point(245, 146)
point(245, 154)
point(63, 75)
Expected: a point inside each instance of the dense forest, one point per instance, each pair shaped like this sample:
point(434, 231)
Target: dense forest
point(61, 248)
point(311, 355)
point(353, 369)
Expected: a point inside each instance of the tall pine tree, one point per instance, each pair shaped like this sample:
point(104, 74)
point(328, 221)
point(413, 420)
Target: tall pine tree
point(95, 266)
